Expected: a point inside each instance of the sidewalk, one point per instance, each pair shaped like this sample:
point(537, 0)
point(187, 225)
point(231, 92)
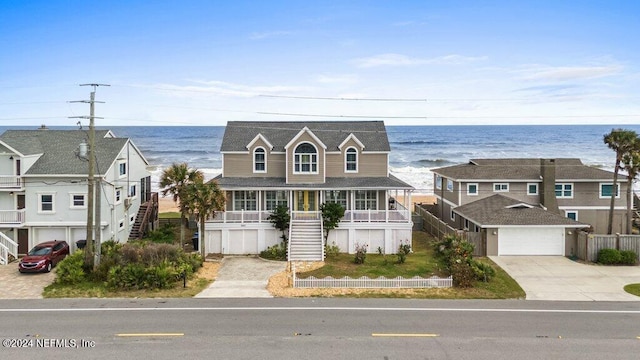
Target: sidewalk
point(243, 276)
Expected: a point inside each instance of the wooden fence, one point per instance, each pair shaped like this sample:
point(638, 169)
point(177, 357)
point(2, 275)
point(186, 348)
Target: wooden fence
point(439, 229)
point(589, 245)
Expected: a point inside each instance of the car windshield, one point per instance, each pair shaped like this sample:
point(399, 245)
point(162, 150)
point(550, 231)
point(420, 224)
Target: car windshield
point(39, 251)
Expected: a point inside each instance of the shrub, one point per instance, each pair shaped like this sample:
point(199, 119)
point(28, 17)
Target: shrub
point(484, 272)
point(275, 252)
point(164, 235)
point(452, 250)
point(70, 270)
point(463, 275)
point(361, 253)
point(628, 257)
point(609, 257)
point(403, 251)
point(331, 250)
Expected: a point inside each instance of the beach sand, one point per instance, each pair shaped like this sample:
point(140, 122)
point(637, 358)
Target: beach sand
point(166, 204)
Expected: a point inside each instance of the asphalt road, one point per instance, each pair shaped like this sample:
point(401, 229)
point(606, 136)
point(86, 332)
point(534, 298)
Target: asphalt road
point(317, 329)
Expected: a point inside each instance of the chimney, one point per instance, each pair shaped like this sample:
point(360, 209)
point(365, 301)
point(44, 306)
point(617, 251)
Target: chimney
point(548, 190)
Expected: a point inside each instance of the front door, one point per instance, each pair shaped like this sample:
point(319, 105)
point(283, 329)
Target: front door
point(306, 200)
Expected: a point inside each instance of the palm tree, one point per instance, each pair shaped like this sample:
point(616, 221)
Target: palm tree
point(173, 182)
point(203, 200)
point(620, 141)
point(631, 164)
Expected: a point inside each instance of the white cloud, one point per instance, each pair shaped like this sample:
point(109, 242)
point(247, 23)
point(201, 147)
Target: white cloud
point(403, 60)
point(268, 34)
point(564, 73)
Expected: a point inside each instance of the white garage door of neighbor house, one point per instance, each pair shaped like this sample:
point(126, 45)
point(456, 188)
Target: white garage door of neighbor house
point(530, 241)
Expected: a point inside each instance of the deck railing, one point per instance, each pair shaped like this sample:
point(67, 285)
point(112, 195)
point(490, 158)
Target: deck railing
point(12, 216)
point(399, 216)
point(10, 247)
point(10, 182)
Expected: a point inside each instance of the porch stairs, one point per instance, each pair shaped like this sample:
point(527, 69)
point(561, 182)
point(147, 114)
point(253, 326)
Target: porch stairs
point(8, 249)
point(305, 240)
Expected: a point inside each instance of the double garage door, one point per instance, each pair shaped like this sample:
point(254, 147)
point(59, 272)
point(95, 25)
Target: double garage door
point(531, 241)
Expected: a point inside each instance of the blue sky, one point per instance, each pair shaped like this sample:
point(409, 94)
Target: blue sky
point(422, 62)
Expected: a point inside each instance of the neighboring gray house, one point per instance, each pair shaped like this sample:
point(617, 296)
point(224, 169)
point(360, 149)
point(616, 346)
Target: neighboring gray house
point(302, 165)
point(541, 202)
point(43, 188)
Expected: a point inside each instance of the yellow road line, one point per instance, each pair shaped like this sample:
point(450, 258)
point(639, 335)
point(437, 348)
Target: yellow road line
point(405, 335)
point(150, 334)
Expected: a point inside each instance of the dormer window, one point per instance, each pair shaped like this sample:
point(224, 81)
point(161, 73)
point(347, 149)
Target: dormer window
point(259, 160)
point(351, 160)
point(305, 159)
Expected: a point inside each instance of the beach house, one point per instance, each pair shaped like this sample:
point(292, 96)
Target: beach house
point(302, 165)
point(528, 206)
point(43, 189)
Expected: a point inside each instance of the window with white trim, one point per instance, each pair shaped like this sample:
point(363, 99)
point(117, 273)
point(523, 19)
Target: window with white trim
point(259, 160)
point(132, 191)
point(245, 200)
point(366, 200)
point(532, 189)
point(501, 187)
point(571, 214)
point(118, 195)
point(336, 196)
point(122, 169)
point(472, 189)
point(78, 201)
point(453, 215)
point(46, 203)
point(438, 182)
point(305, 159)
point(564, 190)
point(132, 219)
point(351, 160)
point(449, 184)
point(606, 190)
point(273, 198)
point(121, 225)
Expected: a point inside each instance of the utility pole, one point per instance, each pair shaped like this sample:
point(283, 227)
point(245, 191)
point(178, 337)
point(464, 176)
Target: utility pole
point(90, 260)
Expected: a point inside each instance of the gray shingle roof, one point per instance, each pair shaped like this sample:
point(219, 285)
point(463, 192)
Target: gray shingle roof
point(238, 134)
point(59, 149)
point(382, 183)
point(495, 210)
point(522, 169)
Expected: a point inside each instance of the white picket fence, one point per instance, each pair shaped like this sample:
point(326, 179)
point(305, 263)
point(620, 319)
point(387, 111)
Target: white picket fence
point(365, 282)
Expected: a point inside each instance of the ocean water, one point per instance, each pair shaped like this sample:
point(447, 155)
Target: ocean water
point(414, 149)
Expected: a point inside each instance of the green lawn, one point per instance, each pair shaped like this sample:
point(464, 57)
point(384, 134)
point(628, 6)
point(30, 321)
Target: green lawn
point(421, 262)
point(633, 289)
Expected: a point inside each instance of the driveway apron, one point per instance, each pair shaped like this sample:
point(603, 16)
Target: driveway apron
point(243, 277)
point(14, 285)
point(558, 278)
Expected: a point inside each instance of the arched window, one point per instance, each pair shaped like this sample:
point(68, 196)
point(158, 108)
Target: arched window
point(351, 160)
point(305, 159)
point(259, 160)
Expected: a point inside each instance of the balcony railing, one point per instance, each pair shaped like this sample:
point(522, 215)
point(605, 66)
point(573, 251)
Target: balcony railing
point(372, 216)
point(10, 182)
point(12, 216)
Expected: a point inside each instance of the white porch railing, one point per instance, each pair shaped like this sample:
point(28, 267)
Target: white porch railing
point(399, 216)
point(11, 216)
point(7, 247)
point(10, 182)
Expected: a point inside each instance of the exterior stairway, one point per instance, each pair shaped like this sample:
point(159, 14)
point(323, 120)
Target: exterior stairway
point(138, 229)
point(305, 240)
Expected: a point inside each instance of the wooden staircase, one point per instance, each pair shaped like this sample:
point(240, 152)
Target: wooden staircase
point(305, 240)
point(139, 228)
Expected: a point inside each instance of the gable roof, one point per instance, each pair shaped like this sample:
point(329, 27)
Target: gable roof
point(500, 210)
point(58, 150)
point(238, 134)
point(522, 169)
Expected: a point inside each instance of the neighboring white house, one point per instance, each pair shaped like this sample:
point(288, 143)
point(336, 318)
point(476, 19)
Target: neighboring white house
point(43, 188)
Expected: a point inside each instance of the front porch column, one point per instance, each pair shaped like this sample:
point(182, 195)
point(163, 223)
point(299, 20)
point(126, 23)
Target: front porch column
point(260, 206)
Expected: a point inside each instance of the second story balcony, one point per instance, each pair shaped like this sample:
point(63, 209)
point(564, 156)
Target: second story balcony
point(10, 182)
point(12, 217)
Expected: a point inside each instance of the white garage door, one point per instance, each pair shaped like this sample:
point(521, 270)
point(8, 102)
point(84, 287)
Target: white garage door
point(531, 241)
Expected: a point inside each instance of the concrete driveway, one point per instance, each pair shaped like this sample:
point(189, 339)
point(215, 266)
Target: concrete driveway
point(243, 276)
point(559, 279)
point(14, 285)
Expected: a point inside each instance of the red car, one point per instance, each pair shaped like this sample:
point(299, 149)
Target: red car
point(44, 256)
